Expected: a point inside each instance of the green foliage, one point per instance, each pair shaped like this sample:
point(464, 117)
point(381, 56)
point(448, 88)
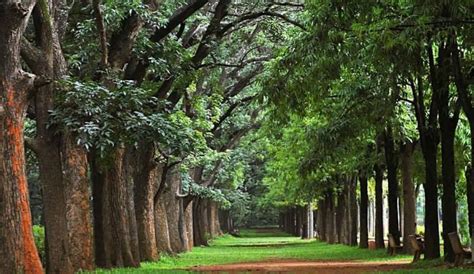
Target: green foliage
point(38, 234)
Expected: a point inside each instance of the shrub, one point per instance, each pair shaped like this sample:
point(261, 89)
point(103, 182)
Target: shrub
point(38, 233)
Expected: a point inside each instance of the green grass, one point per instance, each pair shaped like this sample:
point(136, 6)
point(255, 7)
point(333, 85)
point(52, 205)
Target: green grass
point(254, 246)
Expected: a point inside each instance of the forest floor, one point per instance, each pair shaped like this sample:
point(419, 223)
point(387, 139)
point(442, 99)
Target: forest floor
point(271, 251)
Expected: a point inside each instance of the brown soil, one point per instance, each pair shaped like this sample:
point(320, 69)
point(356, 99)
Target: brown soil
point(299, 266)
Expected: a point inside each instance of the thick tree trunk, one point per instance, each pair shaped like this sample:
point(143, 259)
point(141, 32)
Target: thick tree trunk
point(200, 223)
point(431, 201)
point(63, 164)
point(114, 206)
point(18, 252)
point(161, 228)
point(392, 165)
point(364, 206)
point(146, 178)
point(330, 229)
point(409, 201)
point(214, 226)
point(379, 237)
point(175, 213)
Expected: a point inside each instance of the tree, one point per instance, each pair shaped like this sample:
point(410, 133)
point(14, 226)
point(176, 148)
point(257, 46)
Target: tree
point(18, 251)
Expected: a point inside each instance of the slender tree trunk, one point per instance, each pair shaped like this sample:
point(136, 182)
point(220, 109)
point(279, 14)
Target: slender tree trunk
point(470, 195)
point(18, 252)
point(409, 205)
point(299, 222)
point(364, 200)
point(379, 237)
point(310, 218)
point(322, 212)
point(188, 215)
point(392, 165)
point(340, 217)
point(353, 211)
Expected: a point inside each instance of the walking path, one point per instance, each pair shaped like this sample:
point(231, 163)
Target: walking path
point(300, 266)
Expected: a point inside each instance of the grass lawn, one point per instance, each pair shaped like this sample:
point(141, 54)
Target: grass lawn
point(255, 246)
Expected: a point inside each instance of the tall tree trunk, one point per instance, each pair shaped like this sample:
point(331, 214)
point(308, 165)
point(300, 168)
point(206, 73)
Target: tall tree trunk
point(18, 252)
point(379, 237)
point(353, 211)
point(409, 205)
point(117, 234)
point(299, 221)
point(188, 217)
point(448, 123)
point(161, 227)
point(146, 177)
point(321, 225)
point(364, 202)
point(392, 165)
point(431, 201)
point(175, 213)
point(330, 229)
point(63, 164)
point(470, 195)
point(200, 223)
point(340, 216)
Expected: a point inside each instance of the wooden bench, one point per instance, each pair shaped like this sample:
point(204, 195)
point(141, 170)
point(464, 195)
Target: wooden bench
point(392, 245)
point(418, 247)
point(460, 252)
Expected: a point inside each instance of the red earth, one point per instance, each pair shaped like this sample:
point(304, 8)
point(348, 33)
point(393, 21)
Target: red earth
point(300, 266)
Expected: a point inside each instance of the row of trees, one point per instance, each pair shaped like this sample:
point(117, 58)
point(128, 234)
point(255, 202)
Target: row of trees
point(376, 90)
point(132, 111)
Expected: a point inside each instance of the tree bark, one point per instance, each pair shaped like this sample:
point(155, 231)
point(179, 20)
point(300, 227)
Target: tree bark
point(448, 123)
point(63, 164)
point(330, 229)
point(161, 228)
point(188, 217)
point(175, 213)
point(18, 252)
point(392, 166)
point(353, 211)
point(146, 177)
point(117, 228)
point(340, 216)
point(409, 198)
point(364, 202)
point(321, 225)
point(379, 237)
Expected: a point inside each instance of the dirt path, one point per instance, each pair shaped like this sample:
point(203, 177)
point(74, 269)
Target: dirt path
point(299, 266)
